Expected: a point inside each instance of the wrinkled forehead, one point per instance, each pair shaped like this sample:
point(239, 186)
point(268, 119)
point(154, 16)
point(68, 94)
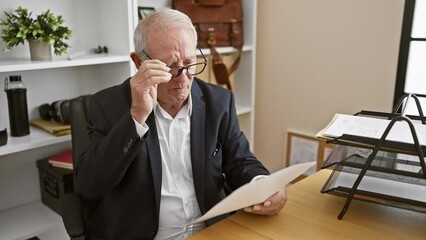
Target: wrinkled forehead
point(171, 39)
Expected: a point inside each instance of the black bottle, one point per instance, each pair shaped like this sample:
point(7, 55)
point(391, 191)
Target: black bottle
point(17, 104)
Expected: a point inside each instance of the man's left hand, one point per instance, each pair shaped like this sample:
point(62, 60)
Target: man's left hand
point(271, 206)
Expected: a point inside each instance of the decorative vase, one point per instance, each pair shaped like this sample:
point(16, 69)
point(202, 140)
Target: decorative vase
point(40, 51)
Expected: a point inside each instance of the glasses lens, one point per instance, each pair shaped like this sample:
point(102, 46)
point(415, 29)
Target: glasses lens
point(192, 69)
point(199, 68)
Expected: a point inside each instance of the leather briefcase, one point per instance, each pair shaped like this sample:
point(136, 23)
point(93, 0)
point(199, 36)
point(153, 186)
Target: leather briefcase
point(219, 23)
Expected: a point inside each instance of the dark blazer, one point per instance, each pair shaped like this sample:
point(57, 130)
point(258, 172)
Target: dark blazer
point(119, 176)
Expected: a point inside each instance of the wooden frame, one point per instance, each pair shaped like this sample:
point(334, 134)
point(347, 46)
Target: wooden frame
point(304, 148)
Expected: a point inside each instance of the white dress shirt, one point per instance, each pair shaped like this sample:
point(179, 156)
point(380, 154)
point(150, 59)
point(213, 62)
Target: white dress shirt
point(178, 206)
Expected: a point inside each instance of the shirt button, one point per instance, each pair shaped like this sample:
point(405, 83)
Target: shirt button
point(125, 149)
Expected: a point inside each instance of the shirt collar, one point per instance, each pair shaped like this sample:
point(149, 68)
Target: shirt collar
point(185, 111)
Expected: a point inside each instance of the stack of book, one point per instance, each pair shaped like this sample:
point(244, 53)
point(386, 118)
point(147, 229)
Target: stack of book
point(62, 160)
point(51, 126)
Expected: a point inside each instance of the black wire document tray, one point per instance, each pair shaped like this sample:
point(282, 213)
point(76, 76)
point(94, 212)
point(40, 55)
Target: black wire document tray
point(389, 165)
point(386, 188)
point(377, 158)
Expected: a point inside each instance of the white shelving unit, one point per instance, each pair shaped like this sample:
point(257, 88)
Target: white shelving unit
point(22, 215)
point(27, 65)
point(38, 138)
point(32, 219)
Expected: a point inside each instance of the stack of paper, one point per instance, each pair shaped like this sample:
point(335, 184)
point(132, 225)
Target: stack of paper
point(372, 128)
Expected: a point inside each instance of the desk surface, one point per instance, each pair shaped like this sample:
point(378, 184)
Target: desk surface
point(309, 214)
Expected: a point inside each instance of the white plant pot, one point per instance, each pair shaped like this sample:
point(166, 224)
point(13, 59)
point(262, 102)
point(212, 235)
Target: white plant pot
point(40, 51)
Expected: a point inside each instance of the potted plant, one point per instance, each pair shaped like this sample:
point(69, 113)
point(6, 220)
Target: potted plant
point(42, 32)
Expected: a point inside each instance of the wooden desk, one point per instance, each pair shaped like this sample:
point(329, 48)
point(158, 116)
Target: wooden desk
point(310, 214)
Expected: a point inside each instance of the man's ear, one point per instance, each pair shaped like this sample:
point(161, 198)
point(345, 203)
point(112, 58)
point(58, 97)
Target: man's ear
point(136, 59)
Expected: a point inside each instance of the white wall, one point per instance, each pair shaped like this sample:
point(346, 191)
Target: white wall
point(319, 57)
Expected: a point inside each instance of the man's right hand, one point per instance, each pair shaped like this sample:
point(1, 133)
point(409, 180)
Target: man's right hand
point(143, 87)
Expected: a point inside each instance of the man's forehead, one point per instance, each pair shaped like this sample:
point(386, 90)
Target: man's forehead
point(169, 35)
point(166, 44)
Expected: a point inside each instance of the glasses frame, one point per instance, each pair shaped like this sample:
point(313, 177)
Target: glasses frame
point(180, 69)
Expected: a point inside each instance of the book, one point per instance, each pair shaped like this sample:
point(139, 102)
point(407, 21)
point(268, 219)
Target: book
point(51, 126)
point(62, 160)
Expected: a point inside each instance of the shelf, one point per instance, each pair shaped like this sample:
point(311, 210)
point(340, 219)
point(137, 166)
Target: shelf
point(27, 221)
point(225, 50)
point(25, 64)
point(39, 138)
point(36, 138)
point(94, 59)
point(57, 233)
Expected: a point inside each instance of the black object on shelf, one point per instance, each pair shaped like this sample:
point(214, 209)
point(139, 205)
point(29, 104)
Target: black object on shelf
point(376, 162)
point(17, 104)
point(3, 136)
point(54, 184)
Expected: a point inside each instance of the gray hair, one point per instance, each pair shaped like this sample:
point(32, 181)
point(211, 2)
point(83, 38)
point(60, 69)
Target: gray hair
point(161, 20)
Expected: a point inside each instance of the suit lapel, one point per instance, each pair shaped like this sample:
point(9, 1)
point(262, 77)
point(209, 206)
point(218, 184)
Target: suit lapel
point(198, 143)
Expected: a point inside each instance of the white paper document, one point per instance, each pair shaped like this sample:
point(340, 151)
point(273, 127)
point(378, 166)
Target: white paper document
point(372, 128)
point(256, 192)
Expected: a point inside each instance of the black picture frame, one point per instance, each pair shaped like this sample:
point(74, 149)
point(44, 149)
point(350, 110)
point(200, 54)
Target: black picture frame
point(145, 11)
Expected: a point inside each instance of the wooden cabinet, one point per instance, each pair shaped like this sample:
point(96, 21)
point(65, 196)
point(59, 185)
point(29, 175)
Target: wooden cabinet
point(94, 23)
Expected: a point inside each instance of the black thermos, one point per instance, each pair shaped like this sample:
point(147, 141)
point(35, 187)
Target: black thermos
point(17, 104)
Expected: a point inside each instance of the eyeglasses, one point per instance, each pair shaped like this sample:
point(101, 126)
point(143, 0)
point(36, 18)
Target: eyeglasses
point(192, 69)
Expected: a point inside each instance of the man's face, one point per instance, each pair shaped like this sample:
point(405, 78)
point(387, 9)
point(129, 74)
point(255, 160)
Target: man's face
point(174, 47)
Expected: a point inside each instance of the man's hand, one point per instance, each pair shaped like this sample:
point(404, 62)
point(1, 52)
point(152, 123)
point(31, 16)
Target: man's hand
point(143, 87)
point(271, 206)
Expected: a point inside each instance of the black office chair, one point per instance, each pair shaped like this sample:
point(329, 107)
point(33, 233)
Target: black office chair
point(71, 207)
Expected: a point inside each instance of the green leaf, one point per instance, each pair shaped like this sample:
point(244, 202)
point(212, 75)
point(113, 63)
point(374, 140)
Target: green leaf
point(19, 26)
